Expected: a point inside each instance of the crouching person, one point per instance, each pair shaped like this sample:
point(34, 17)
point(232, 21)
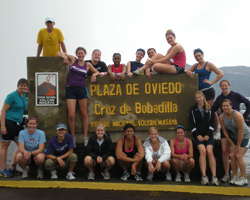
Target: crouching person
point(157, 154)
point(31, 146)
point(60, 153)
point(99, 151)
point(182, 154)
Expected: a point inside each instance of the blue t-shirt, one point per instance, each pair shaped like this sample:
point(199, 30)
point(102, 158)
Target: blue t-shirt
point(17, 107)
point(135, 65)
point(31, 141)
point(58, 149)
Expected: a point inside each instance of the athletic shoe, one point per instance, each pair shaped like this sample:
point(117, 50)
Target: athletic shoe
point(53, 174)
point(138, 176)
point(125, 176)
point(85, 141)
point(106, 175)
point(233, 180)
point(70, 176)
point(91, 176)
point(25, 173)
point(178, 177)
point(168, 177)
point(138, 72)
point(150, 177)
point(186, 177)
point(215, 181)
point(6, 173)
point(39, 174)
point(241, 181)
point(15, 172)
point(225, 178)
point(204, 180)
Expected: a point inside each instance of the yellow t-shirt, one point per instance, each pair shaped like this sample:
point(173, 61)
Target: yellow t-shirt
point(50, 41)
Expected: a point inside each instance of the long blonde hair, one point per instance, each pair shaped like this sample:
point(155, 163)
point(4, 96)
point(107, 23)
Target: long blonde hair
point(207, 106)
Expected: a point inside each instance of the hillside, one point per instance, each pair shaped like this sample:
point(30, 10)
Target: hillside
point(238, 76)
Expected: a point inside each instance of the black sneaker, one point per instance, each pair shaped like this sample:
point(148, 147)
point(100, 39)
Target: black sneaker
point(15, 172)
point(125, 176)
point(138, 176)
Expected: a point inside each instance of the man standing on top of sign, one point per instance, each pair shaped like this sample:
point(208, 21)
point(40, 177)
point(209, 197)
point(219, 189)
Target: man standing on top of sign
point(50, 39)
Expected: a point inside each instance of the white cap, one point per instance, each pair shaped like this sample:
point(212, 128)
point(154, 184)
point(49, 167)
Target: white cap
point(47, 19)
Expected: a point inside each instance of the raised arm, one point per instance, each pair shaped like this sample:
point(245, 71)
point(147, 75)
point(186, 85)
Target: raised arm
point(214, 69)
point(190, 70)
point(66, 57)
point(93, 70)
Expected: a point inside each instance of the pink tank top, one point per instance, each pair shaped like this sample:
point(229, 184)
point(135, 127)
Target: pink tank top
point(180, 59)
point(181, 151)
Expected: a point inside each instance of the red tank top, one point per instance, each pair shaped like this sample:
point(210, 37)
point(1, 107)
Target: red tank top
point(180, 59)
point(117, 70)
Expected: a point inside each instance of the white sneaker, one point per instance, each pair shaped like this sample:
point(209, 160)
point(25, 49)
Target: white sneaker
point(241, 181)
point(204, 180)
point(25, 173)
point(150, 177)
point(53, 174)
point(106, 175)
point(225, 178)
point(186, 177)
point(215, 181)
point(178, 177)
point(39, 174)
point(85, 141)
point(91, 176)
point(138, 72)
point(70, 176)
point(233, 180)
point(168, 177)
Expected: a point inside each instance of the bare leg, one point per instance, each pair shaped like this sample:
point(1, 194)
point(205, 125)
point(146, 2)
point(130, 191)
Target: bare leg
point(71, 106)
point(89, 163)
point(241, 163)
point(85, 120)
point(202, 159)
point(176, 165)
point(211, 159)
point(108, 163)
point(165, 68)
point(3, 154)
point(225, 155)
point(155, 57)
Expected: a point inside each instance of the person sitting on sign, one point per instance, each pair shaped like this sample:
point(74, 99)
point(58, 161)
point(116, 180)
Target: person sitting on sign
point(76, 90)
point(31, 143)
point(157, 154)
point(173, 62)
point(182, 154)
point(99, 65)
point(130, 153)
point(151, 52)
point(60, 153)
point(99, 152)
point(134, 65)
point(117, 71)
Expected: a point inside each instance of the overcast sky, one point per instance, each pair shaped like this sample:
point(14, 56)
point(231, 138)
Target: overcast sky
point(219, 27)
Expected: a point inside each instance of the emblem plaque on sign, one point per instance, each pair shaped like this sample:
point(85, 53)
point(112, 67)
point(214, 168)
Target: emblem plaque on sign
point(47, 88)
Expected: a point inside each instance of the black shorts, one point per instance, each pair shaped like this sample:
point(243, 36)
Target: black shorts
point(245, 143)
point(209, 93)
point(76, 92)
point(179, 70)
point(13, 129)
point(209, 142)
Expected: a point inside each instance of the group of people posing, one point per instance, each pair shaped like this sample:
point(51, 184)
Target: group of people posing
point(203, 116)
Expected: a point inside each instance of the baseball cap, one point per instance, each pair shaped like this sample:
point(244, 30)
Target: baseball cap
point(61, 126)
point(49, 19)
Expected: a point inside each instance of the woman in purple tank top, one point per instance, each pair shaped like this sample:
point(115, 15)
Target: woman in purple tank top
point(76, 90)
point(182, 154)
